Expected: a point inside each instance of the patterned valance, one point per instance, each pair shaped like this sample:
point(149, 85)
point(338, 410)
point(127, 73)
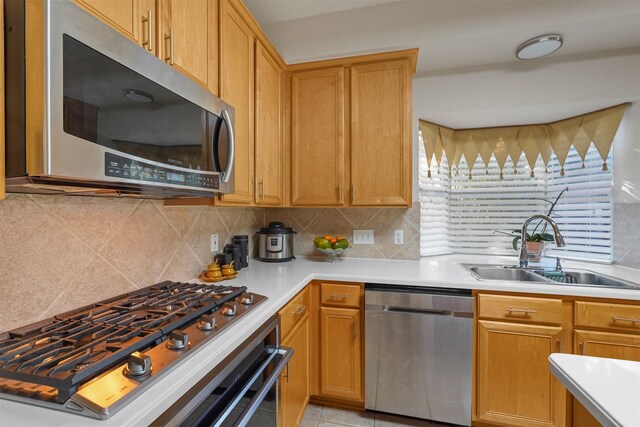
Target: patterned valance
point(598, 127)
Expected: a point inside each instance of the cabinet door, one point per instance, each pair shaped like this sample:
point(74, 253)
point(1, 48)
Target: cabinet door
point(123, 15)
point(513, 383)
point(268, 129)
point(381, 134)
point(317, 138)
point(236, 87)
point(294, 383)
point(340, 346)
point(602, 344)
point(189, 39)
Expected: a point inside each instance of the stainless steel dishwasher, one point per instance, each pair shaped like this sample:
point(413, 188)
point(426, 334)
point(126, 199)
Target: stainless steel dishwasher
point(418, 348)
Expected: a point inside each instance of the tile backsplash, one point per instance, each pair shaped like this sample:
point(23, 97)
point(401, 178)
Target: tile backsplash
point(626, 234)
point(309, 223)
point(62, 252)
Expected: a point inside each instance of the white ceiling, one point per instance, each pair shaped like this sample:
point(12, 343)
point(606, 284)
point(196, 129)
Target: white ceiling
point(451, 34)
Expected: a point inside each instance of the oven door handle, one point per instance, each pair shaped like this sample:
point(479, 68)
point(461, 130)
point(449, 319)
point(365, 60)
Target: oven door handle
point(259, 396)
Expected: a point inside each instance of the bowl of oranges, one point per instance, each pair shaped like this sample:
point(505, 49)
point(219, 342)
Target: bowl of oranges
point(331, 246)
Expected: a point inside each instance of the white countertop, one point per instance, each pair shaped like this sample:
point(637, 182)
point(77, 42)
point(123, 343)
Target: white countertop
point(608, 388)
point(280, 282)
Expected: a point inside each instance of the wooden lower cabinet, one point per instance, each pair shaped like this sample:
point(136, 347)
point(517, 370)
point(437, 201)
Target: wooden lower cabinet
point(602, 344)
point(340, 353)
point(514, 385)
point(294, 382)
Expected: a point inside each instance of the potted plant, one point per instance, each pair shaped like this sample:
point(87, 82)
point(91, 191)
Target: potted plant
point(535, 239)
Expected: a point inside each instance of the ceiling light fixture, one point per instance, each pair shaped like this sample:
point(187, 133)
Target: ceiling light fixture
point(137, 96)
point(540, 46)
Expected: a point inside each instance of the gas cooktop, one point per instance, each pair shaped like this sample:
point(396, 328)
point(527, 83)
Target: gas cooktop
point(95, 359)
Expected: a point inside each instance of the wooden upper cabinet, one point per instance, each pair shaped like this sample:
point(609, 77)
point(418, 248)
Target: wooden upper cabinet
point(237, 48)
point(123, 15)
point(189, 39)
point(381, 134)
point(268, 132)
point(318, 138)
point(514, 384)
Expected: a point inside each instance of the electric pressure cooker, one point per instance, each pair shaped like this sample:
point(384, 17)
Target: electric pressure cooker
point(275, 243)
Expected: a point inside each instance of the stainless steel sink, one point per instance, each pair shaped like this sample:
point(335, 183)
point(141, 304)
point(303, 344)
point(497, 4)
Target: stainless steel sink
point(499, 272)
point(574, 277)
point(589, 278)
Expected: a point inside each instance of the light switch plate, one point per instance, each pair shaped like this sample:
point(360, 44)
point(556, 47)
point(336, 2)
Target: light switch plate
point(214, 243)
point(363, 237)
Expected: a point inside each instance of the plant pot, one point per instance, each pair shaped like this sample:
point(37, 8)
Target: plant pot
point(534, 250)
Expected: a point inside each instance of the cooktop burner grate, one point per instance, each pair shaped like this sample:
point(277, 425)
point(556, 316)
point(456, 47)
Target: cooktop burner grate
point(67, 350)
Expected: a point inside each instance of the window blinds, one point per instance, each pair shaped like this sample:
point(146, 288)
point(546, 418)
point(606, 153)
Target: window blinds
point(462, 215)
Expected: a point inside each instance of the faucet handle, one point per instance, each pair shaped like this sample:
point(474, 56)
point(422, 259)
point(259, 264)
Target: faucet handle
point(558, 264)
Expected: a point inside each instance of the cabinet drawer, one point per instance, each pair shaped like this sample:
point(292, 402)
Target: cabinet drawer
point(340, 294)
point(541, 310)
point(293, 312)
point(622, 317)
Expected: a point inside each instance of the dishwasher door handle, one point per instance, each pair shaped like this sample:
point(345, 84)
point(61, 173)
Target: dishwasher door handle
point(425, 311)
point(406, 310)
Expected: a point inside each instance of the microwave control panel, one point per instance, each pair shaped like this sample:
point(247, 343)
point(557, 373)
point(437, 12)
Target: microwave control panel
point(122, 167)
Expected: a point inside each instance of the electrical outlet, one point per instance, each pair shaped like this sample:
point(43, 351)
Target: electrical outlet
point(363, 237)
point(398, 237)
point(214, 243)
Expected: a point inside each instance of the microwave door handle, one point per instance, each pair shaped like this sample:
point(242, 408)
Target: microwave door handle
point(259, 396)
point(231, 151)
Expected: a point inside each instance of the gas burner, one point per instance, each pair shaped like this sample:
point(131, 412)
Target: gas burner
point(92, 351)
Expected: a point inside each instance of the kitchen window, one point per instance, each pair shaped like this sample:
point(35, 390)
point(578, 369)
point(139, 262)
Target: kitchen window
point(462, 215)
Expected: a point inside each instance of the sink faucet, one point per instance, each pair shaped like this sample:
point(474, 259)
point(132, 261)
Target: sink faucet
point(524, 260)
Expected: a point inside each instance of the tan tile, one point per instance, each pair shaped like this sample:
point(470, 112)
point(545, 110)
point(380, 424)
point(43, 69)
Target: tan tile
point(384, 225)
point(308, 422)
point(246, 224)
point(39, 257)
point(93, 219)
point(413, 215)
point(259, 215)
point(228, 215)
point(384, 420)
point(143, 246)
point(298, 218)
point(350, 418)
point(313, 411)
point(181, 218)
point(184, 266)
point(199, 236)
point(409, 250)
point(99, 280)
point(364, 251)
point(360, 217)
point(330, 221)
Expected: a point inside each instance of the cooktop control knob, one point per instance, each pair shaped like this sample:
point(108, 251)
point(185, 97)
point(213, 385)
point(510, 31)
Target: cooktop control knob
point(207, 322)
point(246, 298)
point(138, 365)
point(178, 340)
point(229, 309)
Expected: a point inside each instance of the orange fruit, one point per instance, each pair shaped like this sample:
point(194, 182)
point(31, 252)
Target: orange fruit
point(339, 237)
point(333, 241)
point(328, 237)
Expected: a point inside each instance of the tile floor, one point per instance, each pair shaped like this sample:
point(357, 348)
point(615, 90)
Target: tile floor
point(319, 416)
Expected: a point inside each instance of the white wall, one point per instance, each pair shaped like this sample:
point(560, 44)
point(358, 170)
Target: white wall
point(536, 92)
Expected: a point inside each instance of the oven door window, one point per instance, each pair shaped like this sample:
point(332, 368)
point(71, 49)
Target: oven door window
point(248, 396)
point(108, 104)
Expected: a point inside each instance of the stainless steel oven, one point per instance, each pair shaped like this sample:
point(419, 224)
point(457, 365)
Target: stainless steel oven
point(91, 110)
point(241, 391)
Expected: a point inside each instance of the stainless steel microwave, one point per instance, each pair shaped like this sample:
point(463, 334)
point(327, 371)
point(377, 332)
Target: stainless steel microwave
point(90, 112)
